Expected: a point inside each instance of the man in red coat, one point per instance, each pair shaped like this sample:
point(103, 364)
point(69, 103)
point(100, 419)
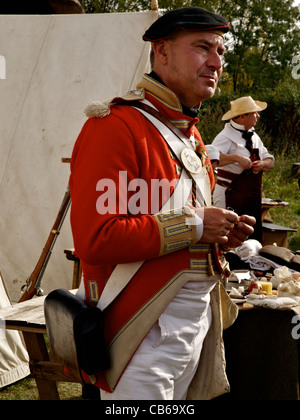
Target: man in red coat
point(122, 174)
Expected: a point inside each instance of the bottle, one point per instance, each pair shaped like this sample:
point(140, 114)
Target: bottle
point(254, 155)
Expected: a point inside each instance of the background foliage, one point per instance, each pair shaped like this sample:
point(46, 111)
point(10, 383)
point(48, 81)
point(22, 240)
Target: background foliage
point(262, 61)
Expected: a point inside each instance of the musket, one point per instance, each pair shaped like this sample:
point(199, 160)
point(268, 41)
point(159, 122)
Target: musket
point(33, 283)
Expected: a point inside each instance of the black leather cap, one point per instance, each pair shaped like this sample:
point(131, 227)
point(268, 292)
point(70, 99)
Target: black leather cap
point(185, 18)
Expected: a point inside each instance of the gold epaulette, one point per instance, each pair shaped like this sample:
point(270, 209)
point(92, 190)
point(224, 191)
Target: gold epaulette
point(101, 109)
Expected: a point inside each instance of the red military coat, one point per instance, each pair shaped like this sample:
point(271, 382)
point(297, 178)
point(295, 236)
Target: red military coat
point(124, 142)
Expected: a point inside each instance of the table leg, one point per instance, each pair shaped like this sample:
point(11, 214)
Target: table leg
point(37, 351)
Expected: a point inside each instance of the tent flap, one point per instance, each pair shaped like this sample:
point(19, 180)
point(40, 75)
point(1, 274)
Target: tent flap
point(55, 65)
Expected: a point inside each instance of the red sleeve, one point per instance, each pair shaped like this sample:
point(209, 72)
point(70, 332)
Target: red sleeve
point(106, 148)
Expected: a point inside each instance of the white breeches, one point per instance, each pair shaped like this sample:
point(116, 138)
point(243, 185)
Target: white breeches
point(164, 364)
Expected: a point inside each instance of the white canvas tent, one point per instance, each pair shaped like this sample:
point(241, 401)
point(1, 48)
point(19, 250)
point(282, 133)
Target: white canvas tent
point(54, 65)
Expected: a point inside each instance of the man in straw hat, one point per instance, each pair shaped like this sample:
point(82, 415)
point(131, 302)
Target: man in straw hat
point(157, 327)
point(243, 159)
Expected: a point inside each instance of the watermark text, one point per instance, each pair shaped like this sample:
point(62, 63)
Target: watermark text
point(296, 329)
point(2, 67)
point(296, 67)
point(141, 197)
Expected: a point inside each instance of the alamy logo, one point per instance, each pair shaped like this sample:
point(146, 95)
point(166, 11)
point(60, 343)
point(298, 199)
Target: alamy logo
point(2, 67)
point(296, 67)
point(296, 329)
point(137, 197)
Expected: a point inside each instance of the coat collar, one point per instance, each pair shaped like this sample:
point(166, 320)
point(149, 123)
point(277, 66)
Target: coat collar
point(162, 97)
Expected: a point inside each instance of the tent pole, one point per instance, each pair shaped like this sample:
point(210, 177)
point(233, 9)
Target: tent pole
point(154, 4)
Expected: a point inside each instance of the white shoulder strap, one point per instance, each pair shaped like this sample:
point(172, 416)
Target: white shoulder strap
point(123, 273)
point(181, 146)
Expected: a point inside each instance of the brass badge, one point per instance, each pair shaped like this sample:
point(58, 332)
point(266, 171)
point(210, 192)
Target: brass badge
point(191, 161)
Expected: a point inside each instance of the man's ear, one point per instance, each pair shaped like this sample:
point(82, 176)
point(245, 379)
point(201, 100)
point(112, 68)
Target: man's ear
point(160, 49)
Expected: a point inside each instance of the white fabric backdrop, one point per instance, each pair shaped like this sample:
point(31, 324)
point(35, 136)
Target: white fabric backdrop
point(55, 64)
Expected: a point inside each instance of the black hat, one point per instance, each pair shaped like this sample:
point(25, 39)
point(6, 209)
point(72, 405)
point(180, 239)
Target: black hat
point(188, 18)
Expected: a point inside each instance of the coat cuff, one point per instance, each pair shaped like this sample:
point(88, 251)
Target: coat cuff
point(177, 230)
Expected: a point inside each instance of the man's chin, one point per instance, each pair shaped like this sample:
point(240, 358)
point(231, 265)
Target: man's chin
point(208, 93)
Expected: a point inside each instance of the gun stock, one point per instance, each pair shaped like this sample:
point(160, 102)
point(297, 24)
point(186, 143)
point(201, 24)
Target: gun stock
point(32, 286)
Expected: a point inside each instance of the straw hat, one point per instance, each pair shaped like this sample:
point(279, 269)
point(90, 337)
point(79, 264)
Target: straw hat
point(244, 105)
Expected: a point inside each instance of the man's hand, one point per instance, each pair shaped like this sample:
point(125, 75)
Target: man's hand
point(244, 162)
point(257, 166)
point(225, 227)
point(241, 231)
point(262, 165)
point(217, 224)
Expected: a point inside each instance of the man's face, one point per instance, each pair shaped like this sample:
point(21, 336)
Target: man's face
point(193, 65)
point(250, 120)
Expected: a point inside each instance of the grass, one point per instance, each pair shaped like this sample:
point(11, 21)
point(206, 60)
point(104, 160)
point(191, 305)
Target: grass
point(26, 390)
point(279, 185)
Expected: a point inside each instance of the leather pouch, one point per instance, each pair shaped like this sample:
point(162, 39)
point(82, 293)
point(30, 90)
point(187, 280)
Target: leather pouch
point(76, 333)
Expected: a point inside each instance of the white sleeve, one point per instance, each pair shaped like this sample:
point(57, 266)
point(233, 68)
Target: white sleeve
point(222, 143)
point(213, 152)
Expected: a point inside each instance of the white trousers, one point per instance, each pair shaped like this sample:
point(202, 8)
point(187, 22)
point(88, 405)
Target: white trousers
point(164, 364)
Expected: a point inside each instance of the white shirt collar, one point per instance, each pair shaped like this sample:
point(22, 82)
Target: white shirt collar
point(239, 126)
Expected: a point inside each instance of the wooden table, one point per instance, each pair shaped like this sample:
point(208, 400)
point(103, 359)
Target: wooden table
point(272, 233)
point(28, 317)
point(268, 203)
point(262, 357)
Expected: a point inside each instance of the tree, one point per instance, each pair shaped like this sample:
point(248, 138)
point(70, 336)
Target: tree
point(263, 39)
point(114, 6)
point(262, 60)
